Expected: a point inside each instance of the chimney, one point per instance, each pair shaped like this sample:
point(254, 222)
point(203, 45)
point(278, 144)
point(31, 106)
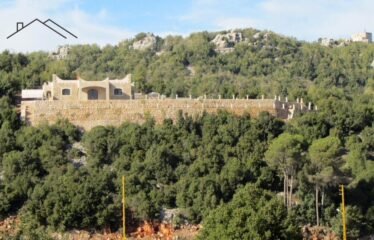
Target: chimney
point(19, 26)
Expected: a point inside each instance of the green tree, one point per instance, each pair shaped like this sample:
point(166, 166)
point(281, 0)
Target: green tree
point(21, 173)
point(76, 199)
point(285, 154)
point(7, 139)
point(253, 213)
point(8, 113)
point(325, 156)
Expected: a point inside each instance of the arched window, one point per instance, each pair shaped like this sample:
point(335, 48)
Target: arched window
point(66, 91)
point(118, 92)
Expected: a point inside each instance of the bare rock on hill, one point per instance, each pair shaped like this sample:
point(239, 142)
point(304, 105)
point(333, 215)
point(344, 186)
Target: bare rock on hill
point(318, 233)
point(149, 41)
point(226, 42)
point(191, 70)
point(61, 53)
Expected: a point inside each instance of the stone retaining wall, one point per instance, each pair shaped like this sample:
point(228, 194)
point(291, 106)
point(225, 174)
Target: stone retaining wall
point(88, 114)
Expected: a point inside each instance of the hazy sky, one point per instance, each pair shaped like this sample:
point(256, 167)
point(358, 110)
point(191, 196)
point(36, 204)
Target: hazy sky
point(110, 21)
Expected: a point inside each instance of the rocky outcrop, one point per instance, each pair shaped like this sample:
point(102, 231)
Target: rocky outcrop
point(329, 42)
point(326, 42)
point(226, 42)
point(61, 53)
point(149, 41)
point(318, 233)
point(9, 227)
point(191, 70)
point(372, 64)
point(78, 155)
point(256, 35)
point(264, 35)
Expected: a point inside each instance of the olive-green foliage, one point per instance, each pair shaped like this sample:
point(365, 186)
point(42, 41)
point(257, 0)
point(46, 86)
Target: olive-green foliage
point(253, 213)
point(72, 198)
point(325, 152)
point(270, 64)
point(355, 222)
point(29, 157)
point(285, 153)
point(196, 164)
point(8, 113)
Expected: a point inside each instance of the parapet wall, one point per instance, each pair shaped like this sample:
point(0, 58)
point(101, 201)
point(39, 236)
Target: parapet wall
point(88, 114)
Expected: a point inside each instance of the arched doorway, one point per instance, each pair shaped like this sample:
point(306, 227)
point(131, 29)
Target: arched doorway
point(49, 95)
point(93, 94)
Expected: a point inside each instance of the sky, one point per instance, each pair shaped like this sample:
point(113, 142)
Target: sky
point(110, 21)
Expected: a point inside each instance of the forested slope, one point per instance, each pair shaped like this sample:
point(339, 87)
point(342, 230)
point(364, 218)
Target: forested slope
point(227, 172)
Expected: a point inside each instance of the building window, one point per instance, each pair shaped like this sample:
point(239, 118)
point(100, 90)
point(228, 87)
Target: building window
point(66, 92)
point(118, 92)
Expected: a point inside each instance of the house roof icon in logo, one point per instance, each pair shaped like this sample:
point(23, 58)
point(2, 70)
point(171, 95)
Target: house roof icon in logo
point(49, 23)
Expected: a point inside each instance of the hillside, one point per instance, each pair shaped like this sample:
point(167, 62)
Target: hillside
point(261, 63)
point(240, 177)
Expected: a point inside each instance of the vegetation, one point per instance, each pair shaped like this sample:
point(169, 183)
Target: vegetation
point(230, 173)
point(263, 217)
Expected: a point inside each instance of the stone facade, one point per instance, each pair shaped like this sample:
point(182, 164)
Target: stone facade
point(111, 102)
point(365, 37)
point(82, 90)
point(88, 114)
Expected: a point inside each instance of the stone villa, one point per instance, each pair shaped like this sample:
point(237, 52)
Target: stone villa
point(365, 37)
point(81, 90)
point(111, 102)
